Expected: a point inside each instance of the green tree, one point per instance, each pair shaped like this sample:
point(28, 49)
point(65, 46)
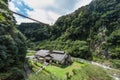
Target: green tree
point(12, 44)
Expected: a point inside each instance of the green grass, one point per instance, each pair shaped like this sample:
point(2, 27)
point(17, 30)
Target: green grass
point(30, 53)
point(76, 71)
point(90, 72)
point(61, 72)
point(42, 76)
point(35, 65)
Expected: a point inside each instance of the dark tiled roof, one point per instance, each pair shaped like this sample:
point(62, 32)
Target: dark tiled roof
point(56, 55)
point(42, 53)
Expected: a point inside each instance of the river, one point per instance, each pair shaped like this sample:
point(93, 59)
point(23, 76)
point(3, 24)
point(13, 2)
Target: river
point(112, 72)
point(115, 76)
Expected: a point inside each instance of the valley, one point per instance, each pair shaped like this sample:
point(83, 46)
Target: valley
point(82, 45)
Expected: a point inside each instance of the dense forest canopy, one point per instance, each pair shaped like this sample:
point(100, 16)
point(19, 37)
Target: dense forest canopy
point(35, 31)
point(12, 45)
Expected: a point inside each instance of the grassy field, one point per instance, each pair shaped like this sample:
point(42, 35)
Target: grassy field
point(58, 73)
point(76, 71)
point(61, 72)
point(91, 72)
point(43, 75)
point(35, 66)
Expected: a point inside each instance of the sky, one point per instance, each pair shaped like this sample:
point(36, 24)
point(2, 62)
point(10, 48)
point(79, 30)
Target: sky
point(46, 11)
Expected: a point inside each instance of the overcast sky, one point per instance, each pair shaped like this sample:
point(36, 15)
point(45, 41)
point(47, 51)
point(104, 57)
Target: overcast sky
point(46, 11)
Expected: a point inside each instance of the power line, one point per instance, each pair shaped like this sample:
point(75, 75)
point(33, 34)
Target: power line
point(26, 17)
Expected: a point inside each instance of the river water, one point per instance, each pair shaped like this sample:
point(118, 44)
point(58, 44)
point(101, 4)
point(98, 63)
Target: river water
point(115, 76)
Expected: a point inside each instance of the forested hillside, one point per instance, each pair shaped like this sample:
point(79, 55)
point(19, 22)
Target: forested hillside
point(91, 30)
point(35, 31)
point(12, 46)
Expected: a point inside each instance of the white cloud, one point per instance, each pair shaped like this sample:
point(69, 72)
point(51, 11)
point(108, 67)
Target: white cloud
point(36, 4)
point(82, 3)
point(40, 13)
point(43, 15)
point(53, 16)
